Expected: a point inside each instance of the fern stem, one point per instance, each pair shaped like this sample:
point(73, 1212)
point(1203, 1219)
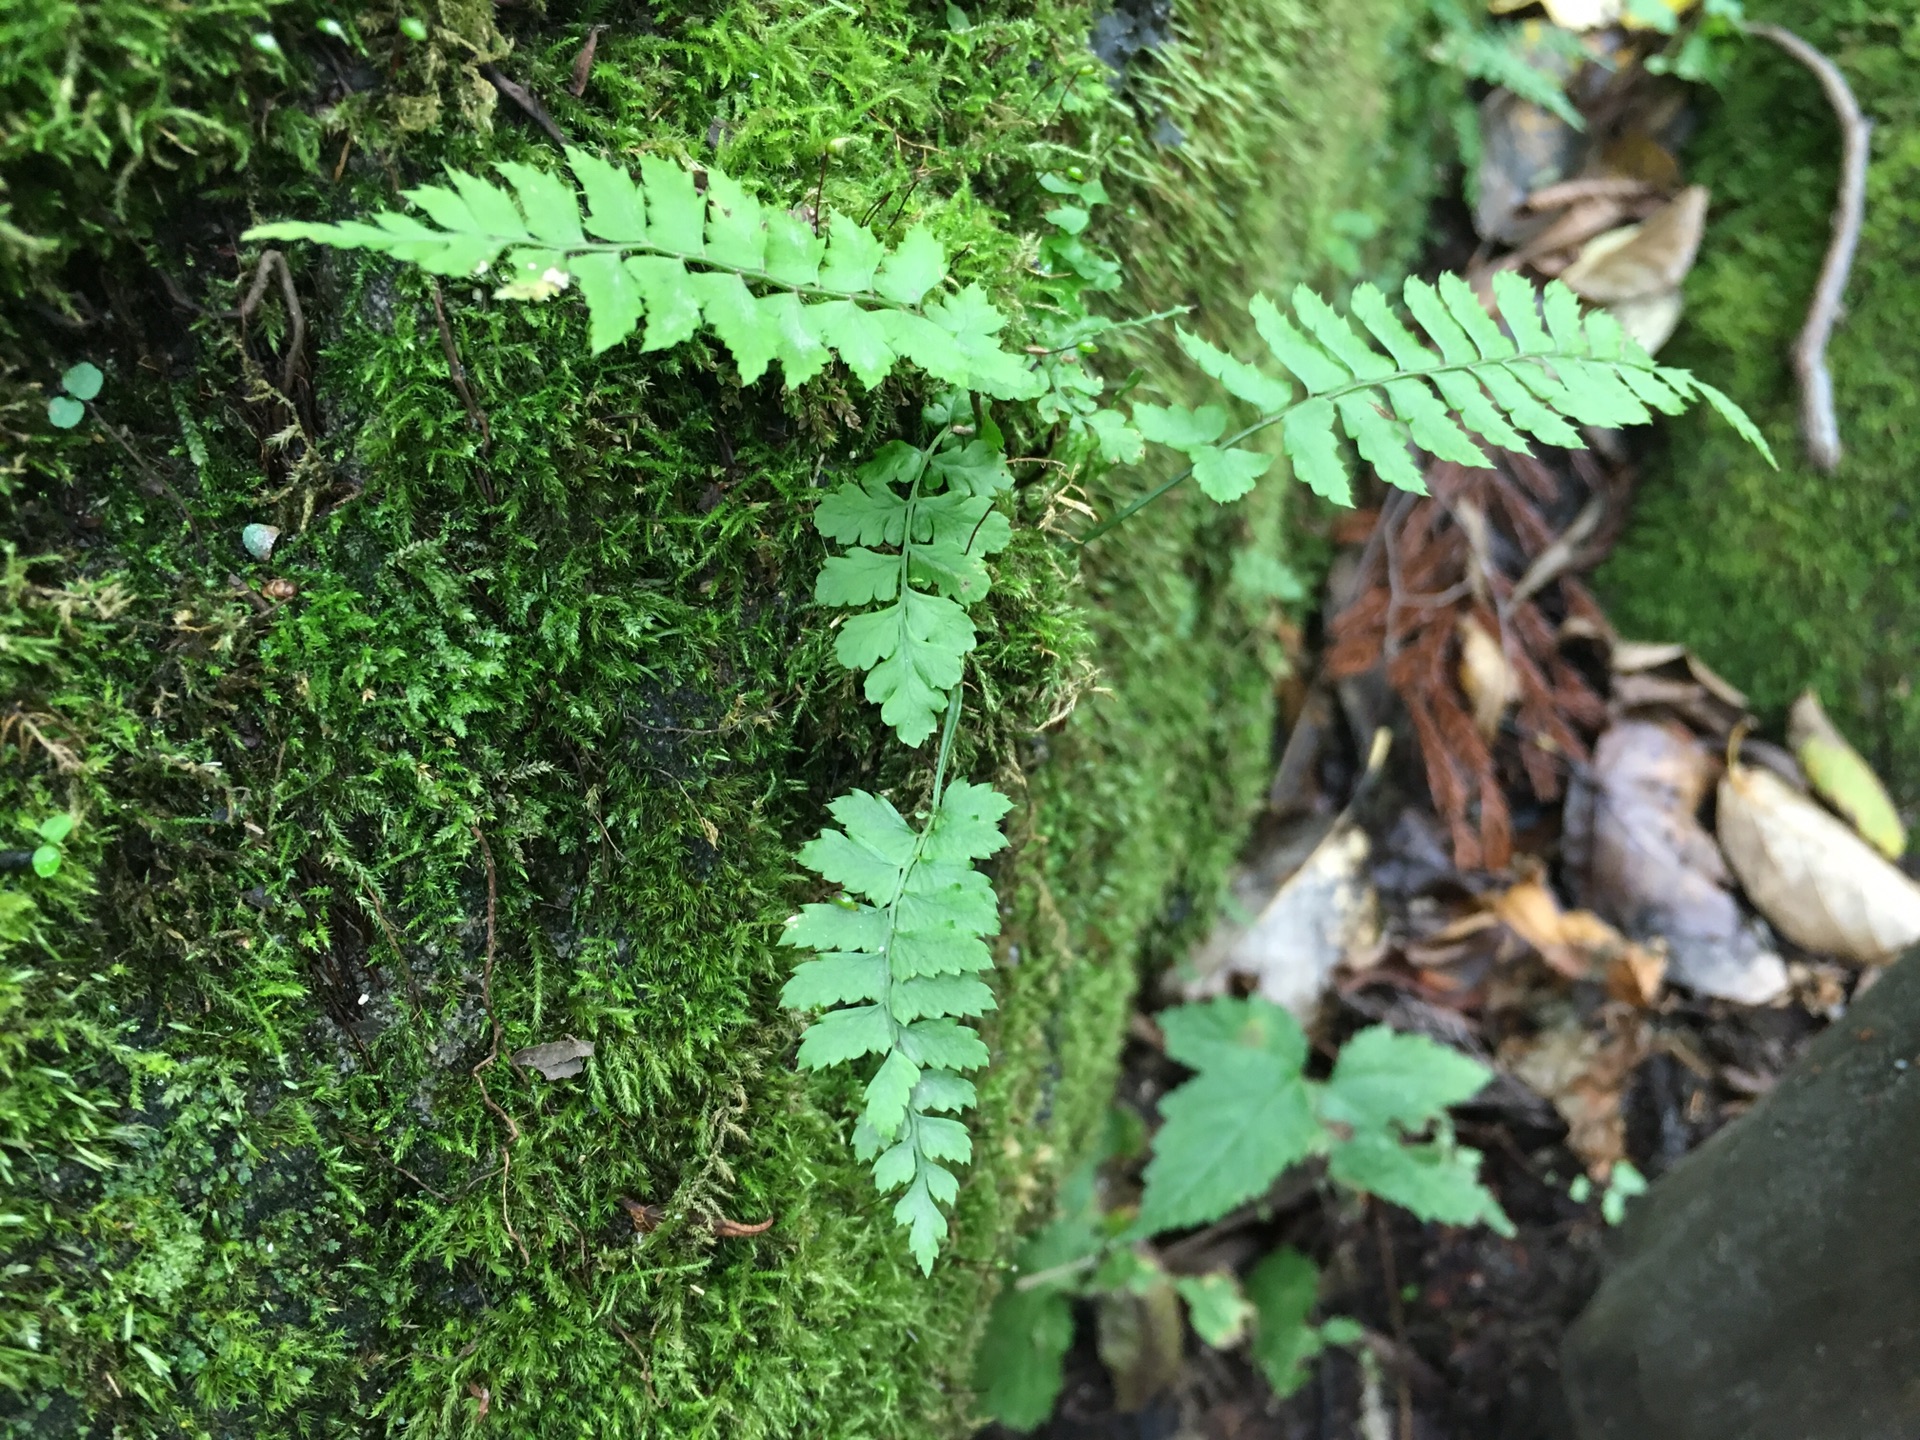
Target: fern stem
point(1541, 358)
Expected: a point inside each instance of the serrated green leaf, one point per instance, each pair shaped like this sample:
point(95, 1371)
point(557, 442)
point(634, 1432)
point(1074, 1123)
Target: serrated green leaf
point(794, 252)
point(1178, 427)
point(672, 305)
point(492, 209)
point(734, 315)
point(1383, 1077)
point(1283, 1289)
point(943, 1139)
point(835, 979)
point(912, 652)
point(1433, 428)
point(1526, 411)
point(1435, 1182)
point(614, 306)
point(852, 865)
point(616, 210)
point(933, 996)
point(1561, 308)
point(736, 233)
point(448, 209)
point(1307, 436)
point(795, 345)
point(842, 1035)
point(676, 211)
point(1302, 358)
point(1119, 443)
point(1427, 307)
point(837, 927)
point(1519, 306)
point(875, 826)
point(887, 1092)
point(1380, 442)
point(853, 254)
point(943, 1090)
point(912, 268)
point(1212, 1031)
point(1370, 308)
point(933, 349)
point(551, 207)
point(1728, 411)
point(856, 335)
point(926, 1227)
point(943, 1045)
point(1472, 317)
point(1216, 1307)
point(975, 468)
point(1226, 475)
point(896, 1166)
point(1224, 1137)
point(1481, 415)
point(1241, 380)
point(1019, 1366)
point(1652, 391)
point(941, 950)
point(858, 577)
point(1333, 331)
point(1070, 218)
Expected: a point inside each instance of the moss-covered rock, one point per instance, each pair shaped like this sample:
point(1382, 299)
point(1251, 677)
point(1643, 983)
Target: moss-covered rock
point(1795, 578)
point(512, 734)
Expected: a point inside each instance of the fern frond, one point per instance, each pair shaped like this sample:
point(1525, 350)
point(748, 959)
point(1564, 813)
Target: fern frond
point(933, 511)
point(1471, 380)
point(662, 251)
point(896, 973)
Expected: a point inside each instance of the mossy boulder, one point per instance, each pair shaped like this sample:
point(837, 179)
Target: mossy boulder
point(513, 732)
point(1795, 578)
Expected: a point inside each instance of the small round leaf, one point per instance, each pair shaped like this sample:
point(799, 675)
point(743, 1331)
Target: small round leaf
point(65, 412)
point(83, 381)
point(413, 28)
point(56, 828)
point(46, 860)
point(259, 540)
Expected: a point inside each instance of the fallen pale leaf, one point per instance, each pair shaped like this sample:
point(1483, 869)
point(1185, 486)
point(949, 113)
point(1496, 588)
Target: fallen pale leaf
point(1841, 778)
point(1650, 320)
point(1583, 1073)
point(1486, 675)
point(1647, 259)
point(1821, 885)
point(1578, 943)
point(1326, 910)
point(1642, 860)
point(557, 1059)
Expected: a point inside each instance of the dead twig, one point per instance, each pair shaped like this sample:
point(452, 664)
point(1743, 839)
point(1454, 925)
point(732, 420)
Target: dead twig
point(522, 97)
point(457, 372)
point(270, 261)
point(647, 1218)
point(583, 62)
point(1819, 426)
point(1397, 1313)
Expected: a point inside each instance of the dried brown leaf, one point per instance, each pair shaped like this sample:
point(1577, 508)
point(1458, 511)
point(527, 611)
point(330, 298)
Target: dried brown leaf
point(1825, 888)
point(557, 1059)
point(1644, 260)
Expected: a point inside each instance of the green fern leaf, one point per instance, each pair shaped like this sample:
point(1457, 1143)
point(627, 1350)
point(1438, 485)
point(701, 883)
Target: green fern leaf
point(665, 251)
point(912, 648)
point(898, 996)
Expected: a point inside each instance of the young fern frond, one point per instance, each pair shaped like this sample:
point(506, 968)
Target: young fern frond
point(1469, 381)
point(663, 250)
point(933, 510)
point(898, 956)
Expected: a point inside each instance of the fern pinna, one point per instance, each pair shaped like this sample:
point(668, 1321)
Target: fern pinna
point(901, 964)
point(682, 250)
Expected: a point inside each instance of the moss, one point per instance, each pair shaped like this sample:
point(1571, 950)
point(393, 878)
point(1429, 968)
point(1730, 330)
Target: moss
point(520, 725)
point(1795, 578)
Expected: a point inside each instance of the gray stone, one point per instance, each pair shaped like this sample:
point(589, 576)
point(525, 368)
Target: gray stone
point(1768, 1288)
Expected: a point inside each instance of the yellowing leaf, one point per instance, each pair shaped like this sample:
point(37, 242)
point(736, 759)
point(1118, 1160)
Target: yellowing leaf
point(1486, 676)
point(1841, 778)
point(1821, 885)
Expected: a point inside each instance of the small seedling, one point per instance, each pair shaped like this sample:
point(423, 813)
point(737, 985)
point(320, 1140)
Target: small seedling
point(1623, 1184)
point(81, 384)
point(53, 832)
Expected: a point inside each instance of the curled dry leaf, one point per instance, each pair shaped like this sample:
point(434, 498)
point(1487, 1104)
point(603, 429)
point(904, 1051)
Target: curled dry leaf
point(1641, 859)
point(1650, 258)
point(1326, 910)
point(557, 1059)
point(1583, 1073)
point(1841, 778)
point(1578, 943)
point(1824, 887)
point(647, 1218)
point(1486, 676)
